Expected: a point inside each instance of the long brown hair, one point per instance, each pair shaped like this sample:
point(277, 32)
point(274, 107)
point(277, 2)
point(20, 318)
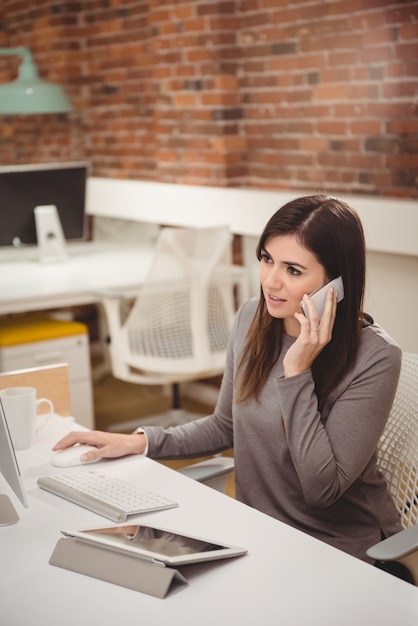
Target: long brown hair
point(332, 231)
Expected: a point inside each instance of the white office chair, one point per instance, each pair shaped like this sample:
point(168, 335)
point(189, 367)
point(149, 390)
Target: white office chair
point(177, 328)
point(398, 460)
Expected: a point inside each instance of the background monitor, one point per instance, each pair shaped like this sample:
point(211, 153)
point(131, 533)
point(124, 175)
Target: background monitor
point(10, 470)
point(23, 187)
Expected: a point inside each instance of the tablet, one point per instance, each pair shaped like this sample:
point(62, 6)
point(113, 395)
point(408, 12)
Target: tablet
point(159, 545)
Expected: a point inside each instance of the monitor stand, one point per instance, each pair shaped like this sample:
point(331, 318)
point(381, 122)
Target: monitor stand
point(8, 513)
point(49, 233)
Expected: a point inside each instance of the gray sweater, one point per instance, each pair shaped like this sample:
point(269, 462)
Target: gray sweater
point(315, 472)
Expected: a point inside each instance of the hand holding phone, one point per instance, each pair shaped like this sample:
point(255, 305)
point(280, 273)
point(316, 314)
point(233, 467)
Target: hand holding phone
point(318, 296)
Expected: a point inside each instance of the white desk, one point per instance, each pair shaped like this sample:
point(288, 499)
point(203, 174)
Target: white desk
point(287, 577)
point(92, 268)
point(29, 285)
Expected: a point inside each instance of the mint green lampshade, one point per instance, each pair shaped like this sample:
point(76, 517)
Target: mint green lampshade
point(29, 94)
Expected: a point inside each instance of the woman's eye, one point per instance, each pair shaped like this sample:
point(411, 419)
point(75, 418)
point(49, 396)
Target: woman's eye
point(292, 270)
point(265, 257)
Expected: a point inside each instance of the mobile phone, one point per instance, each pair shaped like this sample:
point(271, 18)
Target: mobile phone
point(318, 296)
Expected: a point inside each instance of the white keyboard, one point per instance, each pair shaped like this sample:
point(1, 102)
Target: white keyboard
point(108, 496)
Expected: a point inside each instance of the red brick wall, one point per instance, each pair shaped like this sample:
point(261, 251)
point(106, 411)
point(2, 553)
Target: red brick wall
point(258, 93)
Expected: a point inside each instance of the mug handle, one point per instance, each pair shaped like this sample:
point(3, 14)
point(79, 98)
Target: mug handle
point(44, 416)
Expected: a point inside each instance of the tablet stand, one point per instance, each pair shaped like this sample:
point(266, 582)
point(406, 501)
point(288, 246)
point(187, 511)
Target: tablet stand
point(114, 567)
point(8, 514)
point(49, 233)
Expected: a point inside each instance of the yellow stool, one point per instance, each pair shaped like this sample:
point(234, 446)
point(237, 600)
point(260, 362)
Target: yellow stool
point(28, 341)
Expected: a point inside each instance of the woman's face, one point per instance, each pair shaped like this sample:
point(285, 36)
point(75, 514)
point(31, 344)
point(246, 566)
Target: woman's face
point(287, 272)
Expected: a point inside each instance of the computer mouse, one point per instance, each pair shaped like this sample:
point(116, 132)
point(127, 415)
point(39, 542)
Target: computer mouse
point(71, 456)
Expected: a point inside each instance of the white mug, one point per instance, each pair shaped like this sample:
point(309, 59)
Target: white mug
point(20, 407)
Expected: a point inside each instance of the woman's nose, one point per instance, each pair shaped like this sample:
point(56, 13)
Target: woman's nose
point(273, 279)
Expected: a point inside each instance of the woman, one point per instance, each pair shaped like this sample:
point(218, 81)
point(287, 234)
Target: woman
point(303, 400)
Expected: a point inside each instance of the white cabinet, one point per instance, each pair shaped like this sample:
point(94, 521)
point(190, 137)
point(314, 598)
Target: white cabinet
point(71, 349)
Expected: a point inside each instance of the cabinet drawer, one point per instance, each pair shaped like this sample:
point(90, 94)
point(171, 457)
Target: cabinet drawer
point(73, 350)
point(82, 408)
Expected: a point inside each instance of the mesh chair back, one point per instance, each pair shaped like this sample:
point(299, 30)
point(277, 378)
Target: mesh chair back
point(182, 317)
point(398, 446)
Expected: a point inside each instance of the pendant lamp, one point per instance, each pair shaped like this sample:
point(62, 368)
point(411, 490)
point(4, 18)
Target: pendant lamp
point(28, 94)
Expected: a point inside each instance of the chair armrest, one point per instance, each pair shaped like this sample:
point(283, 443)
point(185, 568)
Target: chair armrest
point(213, 472)
point(396, 547)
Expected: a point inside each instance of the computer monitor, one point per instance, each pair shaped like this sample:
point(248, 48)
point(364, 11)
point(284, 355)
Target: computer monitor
point(11, 473)
point(23, 187)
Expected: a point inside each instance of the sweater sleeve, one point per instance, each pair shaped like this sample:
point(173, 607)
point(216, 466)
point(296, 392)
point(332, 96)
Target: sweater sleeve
point(330, 452)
